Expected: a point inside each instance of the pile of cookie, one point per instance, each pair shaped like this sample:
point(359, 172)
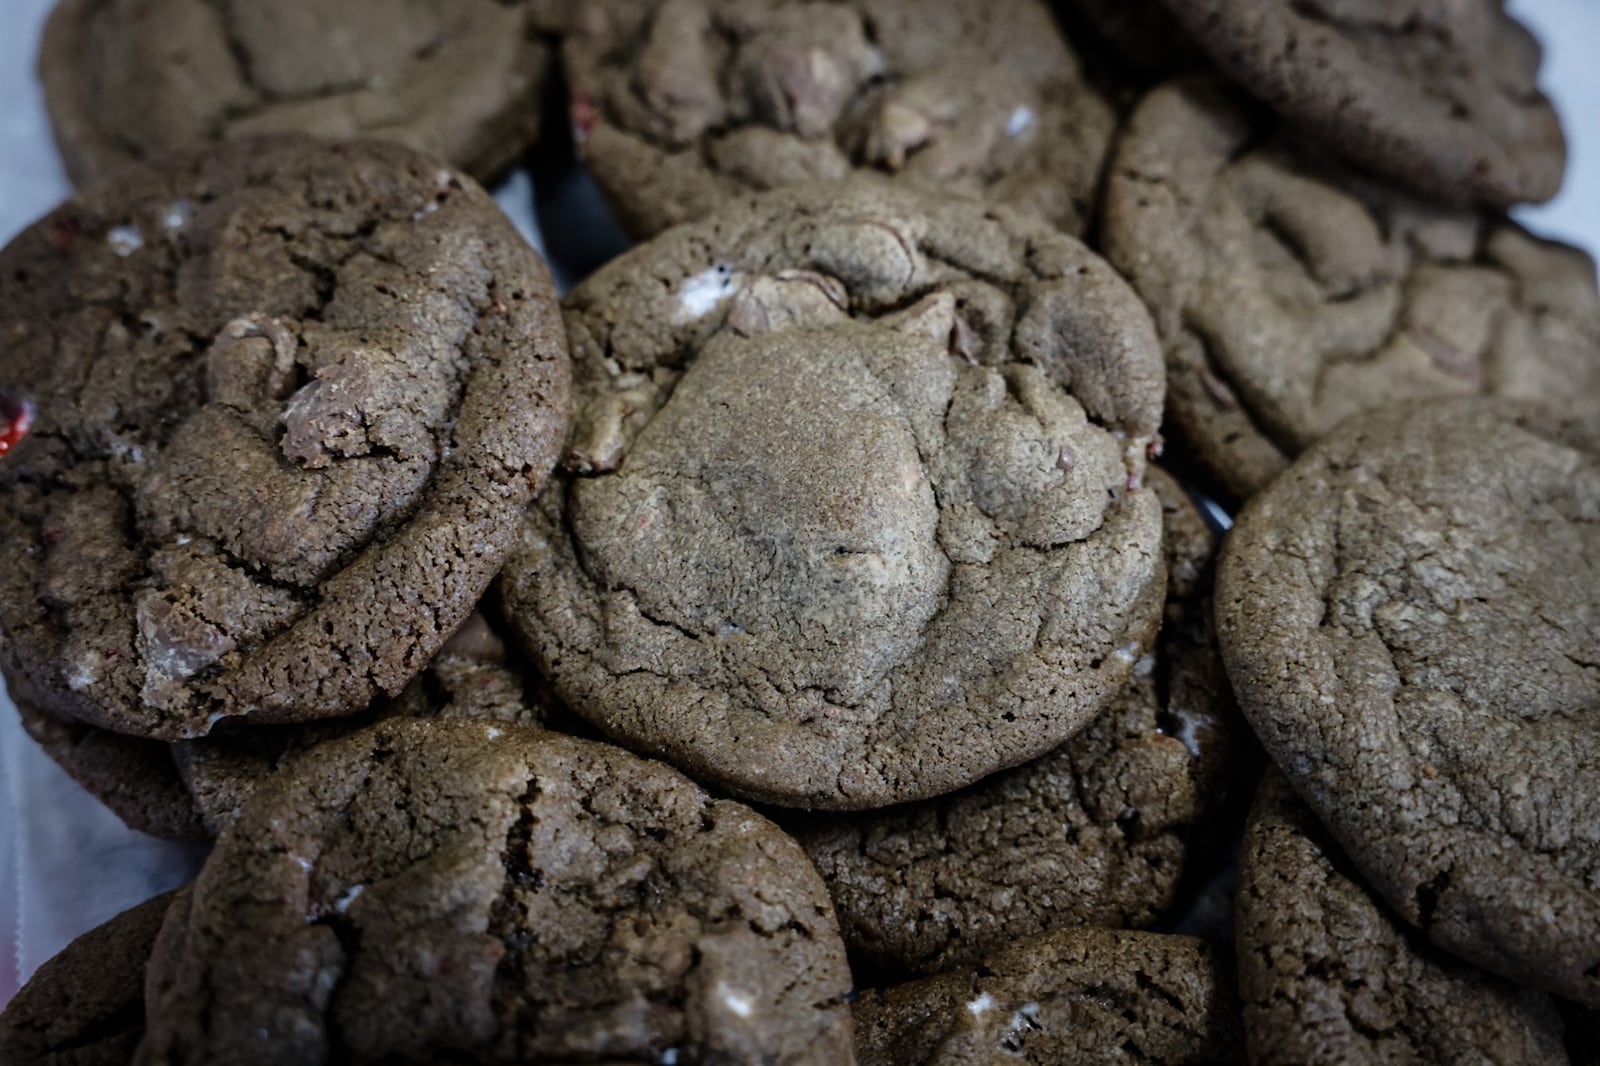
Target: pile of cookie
point(785, 648)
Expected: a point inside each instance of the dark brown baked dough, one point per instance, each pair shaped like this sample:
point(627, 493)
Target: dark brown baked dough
point(85, 1007)
point(290, 401)
point(847, 517)
point(136, 778)
point(1291, 293)
point(469, 678)
point(1442, 97)
point(1098, 832)
point(476, 892)
point(1328, 976)
point(140, 79)
point(680, 104)
point(1077, 997)
point(1410, 618)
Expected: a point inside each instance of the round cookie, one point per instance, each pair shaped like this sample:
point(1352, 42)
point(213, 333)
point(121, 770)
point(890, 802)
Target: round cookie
point(1291, 293)
point(289, 403)
point(1098, 832)
point(851, 511)
point(475, 892)
point(1076, 996)
point(1409, 617)
point(85, 1007)
point(136, 778)
point(1442, 98)
point(679, 105)
point(132, 80)
point(1327, 976)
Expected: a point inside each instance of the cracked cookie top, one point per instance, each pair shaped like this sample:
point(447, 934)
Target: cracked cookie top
point(851, 512)
point(1410, 617)
point(288, 404)
point(141, 79)
point(1291, 293)
point(486, 892)
point(1076, 997)
point(1098, 832)
point(1328, 976)
point(1441, 97)
point(85, 1006)
point(469, 678)
point(680, 104)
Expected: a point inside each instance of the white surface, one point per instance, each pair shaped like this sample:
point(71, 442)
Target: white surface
point(67, 864)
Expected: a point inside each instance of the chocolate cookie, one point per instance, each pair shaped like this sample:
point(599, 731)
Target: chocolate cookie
point(469, 678)
point(1291, 293)
point(85, 1007)
point(679, 105)
point(851, 512)
point(288, 404)
point(1441, 97)
point(1076, 996)
point(141, 79)
point(1098, 832)
point(469, 892)
point(1327, 975)
point(134, 777)
point(1410, 618)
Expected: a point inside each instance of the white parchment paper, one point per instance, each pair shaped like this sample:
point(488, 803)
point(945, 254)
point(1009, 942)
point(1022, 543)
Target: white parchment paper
point(67, 864)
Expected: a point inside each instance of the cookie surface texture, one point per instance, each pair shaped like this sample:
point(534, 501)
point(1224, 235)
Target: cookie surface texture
point(135, 778)
point(288, 404)
point(1327, 975)
point(681, 104)
point(130, 80)
point(847, 516)
point(1409, 617)
point(1074, 996)
point(1442, 98)
point(1291, 293)
point(85, 1006)
point(469, 678)
point(473, 892)
point(1098, 832)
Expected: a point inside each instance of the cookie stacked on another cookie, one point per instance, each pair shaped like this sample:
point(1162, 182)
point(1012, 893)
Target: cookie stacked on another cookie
point(1410, 617)
point(851, 512)
point(1327, 975)
point(1441, 98)
point(479, 892)
point(138, 80)
point(1292, 292)
point(679, 105)
point(289, 402)
point(1075, 996)
point(1106, 830)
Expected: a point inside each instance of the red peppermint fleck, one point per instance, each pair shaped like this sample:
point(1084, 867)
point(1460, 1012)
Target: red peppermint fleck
point(16, 418)
point(583, 116)
point(64, 234)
